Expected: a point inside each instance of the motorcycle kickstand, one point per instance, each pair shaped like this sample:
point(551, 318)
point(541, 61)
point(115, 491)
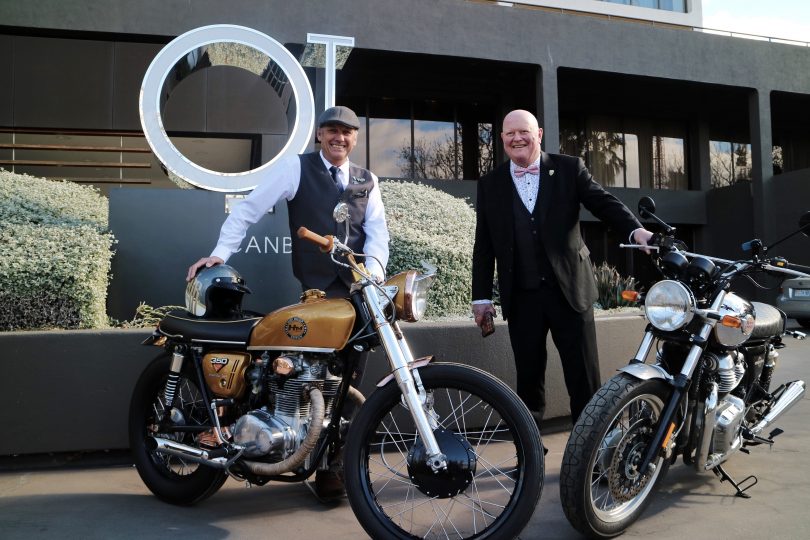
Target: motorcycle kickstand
point(721, 472)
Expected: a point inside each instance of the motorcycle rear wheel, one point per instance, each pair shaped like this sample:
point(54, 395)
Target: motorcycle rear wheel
point(601, 490)
point(171, 478)
point(495, 475)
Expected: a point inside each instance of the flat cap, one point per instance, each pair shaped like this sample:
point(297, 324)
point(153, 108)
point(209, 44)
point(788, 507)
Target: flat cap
point(339, 115)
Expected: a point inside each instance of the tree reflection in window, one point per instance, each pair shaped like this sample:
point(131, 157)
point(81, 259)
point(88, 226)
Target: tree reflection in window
point(730, 163)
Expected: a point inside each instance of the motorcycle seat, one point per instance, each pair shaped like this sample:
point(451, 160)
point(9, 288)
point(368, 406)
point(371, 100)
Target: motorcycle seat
point(769, 321)
point(179, 324)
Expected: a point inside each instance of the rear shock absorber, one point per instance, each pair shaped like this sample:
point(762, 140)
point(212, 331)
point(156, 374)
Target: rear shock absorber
point(174, 377)
point(767, 372)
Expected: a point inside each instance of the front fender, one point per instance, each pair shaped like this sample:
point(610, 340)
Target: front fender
point(419, 362)
point(645, 372)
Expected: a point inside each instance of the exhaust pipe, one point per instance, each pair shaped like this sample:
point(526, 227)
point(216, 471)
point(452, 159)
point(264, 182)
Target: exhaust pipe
point(190, 453)
point(791, 394)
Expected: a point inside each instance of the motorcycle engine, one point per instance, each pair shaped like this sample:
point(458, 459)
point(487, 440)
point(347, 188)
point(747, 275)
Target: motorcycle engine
point(730, 369)
point(275, 431)
point(729, 415)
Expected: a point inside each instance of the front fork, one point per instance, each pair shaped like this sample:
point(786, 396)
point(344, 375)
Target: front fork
point(400, 359)
point(680, 385)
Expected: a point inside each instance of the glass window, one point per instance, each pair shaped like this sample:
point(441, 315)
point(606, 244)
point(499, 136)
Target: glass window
point(669, 170)
point(434, 150)
point(390, 147)
point(632, 171)
point(486, 149)
point(729, 162)
point(359, 154)
point(606, 157)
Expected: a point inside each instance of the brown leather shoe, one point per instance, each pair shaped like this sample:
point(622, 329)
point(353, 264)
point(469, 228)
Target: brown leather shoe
point(329, 485)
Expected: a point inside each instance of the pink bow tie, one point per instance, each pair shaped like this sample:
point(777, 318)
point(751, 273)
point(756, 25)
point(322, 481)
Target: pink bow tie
point(531, 169)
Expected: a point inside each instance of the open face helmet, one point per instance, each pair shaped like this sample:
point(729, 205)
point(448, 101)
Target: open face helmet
point(216, 292)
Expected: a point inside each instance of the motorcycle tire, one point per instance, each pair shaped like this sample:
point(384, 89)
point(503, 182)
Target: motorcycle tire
point(601, 493)
point(494, 476)
point(171, 478)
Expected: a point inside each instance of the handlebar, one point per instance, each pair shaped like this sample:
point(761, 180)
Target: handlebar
point(324, 242)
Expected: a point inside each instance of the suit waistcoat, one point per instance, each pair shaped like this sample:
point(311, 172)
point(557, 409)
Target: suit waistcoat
point(531, 261)
point(312, 208)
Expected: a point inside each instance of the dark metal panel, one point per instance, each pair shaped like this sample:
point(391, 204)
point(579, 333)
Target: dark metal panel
point(7, 78)
point(185, 109)
point(161, 232)
point(241, 102)
point(131, 62)
point(63, 83)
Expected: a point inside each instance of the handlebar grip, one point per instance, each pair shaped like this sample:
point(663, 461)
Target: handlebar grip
point(324, 242)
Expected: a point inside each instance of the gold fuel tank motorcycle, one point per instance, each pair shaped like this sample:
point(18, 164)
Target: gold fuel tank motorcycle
point(438, 450)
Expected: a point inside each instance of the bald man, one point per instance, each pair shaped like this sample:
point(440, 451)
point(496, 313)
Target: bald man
point(528, 226)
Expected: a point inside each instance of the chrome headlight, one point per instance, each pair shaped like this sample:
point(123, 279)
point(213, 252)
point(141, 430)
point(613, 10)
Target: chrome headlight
point(411, 297)
point(669, 305)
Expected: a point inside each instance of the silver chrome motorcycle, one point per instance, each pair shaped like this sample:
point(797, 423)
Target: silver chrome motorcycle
point(438, 450)
point(705, 395)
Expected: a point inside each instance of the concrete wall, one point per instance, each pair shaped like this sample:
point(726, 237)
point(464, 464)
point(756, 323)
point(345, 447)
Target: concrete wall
point(70, 390)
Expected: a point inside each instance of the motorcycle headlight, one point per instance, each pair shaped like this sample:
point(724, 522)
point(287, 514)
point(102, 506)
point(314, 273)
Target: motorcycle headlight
point(411, 297)
point(669, 305)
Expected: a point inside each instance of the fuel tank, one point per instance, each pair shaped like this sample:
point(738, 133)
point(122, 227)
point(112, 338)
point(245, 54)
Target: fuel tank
point(314, 323)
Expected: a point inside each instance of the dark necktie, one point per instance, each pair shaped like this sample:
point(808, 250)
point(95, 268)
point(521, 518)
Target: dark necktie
point(333, 171)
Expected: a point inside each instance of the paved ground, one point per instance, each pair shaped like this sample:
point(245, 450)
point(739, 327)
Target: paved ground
point(112, 503)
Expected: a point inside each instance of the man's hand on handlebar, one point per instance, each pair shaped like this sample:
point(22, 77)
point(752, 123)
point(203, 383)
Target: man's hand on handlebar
point(642, 237)
point(207, 262)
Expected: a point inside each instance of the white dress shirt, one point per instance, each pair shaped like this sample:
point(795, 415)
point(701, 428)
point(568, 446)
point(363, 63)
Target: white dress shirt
point(282, 181)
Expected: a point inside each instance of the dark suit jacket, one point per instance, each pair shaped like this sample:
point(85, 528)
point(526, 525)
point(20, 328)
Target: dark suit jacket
point(565, 184)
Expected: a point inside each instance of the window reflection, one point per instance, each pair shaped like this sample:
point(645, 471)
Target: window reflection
point(388, 137)
point(668, 163)
point(434, 151)
point(628, 152)
point(730, 163)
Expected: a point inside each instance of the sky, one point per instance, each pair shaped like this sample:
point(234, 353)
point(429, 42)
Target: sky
point(785, 19)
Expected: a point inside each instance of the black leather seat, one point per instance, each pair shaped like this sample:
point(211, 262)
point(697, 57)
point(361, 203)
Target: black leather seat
point(769, 321)
point(179, 324)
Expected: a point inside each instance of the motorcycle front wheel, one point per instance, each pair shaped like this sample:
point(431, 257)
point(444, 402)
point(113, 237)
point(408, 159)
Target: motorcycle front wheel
point(494, 475)
point(171, 478)
point(601, 489)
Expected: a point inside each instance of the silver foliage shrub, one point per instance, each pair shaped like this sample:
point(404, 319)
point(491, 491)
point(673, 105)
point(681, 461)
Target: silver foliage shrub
point(428, 224)
point(55, 254)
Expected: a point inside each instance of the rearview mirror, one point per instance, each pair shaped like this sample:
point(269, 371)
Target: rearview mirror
point(646, 207)
point(341, 212)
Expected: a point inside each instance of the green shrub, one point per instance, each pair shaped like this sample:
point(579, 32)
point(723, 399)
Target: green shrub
point(426, 224)
point(54, 254)
point(609, 286)
point(28, 199)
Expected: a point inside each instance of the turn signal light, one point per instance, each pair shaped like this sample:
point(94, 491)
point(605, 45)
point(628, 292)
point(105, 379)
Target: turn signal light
point(731, 321)
point(630, 296)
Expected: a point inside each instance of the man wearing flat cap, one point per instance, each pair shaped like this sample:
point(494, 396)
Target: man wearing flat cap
point(313, 183)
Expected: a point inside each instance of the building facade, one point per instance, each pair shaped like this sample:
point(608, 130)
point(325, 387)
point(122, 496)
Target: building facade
point(711, 126)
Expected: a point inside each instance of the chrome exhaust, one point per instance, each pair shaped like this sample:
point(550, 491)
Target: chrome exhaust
point(792, 393)
point(190, 453)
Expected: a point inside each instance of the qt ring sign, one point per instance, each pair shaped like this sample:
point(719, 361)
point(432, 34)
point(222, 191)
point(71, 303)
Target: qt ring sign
point(205, 47)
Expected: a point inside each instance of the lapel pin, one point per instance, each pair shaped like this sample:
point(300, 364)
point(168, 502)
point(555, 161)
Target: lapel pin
point(551, 172)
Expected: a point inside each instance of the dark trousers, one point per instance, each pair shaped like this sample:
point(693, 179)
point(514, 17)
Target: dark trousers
point(533, 313)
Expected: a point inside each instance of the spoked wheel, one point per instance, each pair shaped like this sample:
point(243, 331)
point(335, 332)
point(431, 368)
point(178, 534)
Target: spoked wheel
point(494, 475)
point(601, 487)
point(171, 478)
